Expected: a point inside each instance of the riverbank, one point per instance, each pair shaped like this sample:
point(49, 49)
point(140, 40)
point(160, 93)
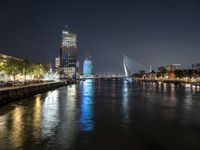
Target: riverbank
point(167, 81)
point(11, 94)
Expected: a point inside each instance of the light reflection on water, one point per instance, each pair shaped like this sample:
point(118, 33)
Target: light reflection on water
point(50, 114)
point(100, 112)
point(66, 129)
point(37, 109)
point(125, 102)
point(17, 128)
point(86, 106)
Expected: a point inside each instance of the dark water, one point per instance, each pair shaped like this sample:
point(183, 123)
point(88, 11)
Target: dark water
point(104, 114)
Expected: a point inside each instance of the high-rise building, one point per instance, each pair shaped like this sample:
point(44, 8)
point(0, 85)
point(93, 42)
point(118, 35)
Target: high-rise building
point(49, 67)
point(57, 62)
point(88, 67)
point(68, 54)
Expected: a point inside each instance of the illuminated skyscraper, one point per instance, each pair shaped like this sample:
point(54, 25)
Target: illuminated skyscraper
point(69, 53)
point(57, 62)
point(87, 67)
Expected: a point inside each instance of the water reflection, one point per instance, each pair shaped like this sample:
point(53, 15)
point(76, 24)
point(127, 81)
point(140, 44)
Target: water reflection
point(37, 108)
point(86, 106)
point(64, 118)
point(125, 102)
point(67, 113)
point(17, 127)
point(113, 89)
point(169, 102)
point(165, 88)
point(3, 125)
point(99, 86)
point(50, 114)
point(187, 87)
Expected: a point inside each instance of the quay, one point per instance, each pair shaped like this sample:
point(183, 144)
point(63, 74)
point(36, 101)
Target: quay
point(11, 94)
point(176, 82)
point(163, 81)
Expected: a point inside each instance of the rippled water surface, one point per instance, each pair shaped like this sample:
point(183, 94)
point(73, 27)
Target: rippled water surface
point(104, 114)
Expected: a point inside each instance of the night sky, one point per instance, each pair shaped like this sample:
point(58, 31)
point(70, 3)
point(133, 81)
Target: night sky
point(151, 32)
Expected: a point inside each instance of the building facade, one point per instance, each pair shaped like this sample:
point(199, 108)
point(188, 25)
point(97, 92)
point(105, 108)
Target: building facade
point(57, 62)
point(3, 60)
point(68, 54)
point(196, 66)
point(173, 67)
point(87, 67)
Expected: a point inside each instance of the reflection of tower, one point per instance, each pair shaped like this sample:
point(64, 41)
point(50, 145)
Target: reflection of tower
point(86, 106)
point(68, 116)
point(69, 53)
point(88, 66)
point(125, 103)
point(50, 109)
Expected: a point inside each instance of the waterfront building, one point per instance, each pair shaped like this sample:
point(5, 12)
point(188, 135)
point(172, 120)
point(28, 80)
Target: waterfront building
point(3, 58)
point(41, 69)
point(196, 66)
point(68, 54)
point(3, 61)
point(78, 69)
point(172, 67)
point(170, 75)
point(57, 63)
point(88, 67)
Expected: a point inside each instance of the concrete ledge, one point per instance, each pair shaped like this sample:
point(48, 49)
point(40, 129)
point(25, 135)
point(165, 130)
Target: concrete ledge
point(8, 95)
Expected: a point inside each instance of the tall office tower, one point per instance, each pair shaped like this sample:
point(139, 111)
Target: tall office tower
point(88, 67)
point(57, 63)
point(68, 54)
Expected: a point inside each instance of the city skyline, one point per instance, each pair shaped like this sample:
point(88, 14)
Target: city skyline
point(152, 33)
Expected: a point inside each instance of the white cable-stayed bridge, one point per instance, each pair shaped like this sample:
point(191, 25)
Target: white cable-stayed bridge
point(130, 67)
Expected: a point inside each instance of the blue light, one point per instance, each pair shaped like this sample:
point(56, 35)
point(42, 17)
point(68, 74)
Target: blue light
point(86, 106)
point(87, 68)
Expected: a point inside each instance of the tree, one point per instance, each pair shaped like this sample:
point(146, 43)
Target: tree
point(27, 67)
point(190, 73)
point(162, 71)
point(153, 71)
point(38, 70)
point(158, 75)
point(13, 67)
point(136, 75)
point(2, 65)
point(179, 74)
point(140, 74)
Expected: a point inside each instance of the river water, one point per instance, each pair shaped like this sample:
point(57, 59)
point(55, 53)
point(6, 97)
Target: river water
point(104, 114)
